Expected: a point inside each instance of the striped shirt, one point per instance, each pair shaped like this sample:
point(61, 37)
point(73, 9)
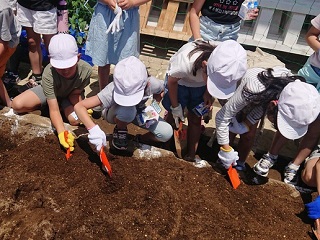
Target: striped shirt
point(238, 103)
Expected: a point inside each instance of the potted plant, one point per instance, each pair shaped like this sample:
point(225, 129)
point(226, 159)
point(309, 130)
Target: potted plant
point(80, 13)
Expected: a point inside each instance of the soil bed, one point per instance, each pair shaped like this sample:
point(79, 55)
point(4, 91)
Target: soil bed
point(43, 196)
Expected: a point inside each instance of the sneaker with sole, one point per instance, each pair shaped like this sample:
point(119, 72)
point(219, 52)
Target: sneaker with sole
point(291, 174)
point(263, 165)
point(120, 139)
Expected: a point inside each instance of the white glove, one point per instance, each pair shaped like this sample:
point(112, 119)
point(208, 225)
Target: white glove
point(97, 137)
point(115, 25)
point(238, 128)
point(177, 114)
point(228, 158)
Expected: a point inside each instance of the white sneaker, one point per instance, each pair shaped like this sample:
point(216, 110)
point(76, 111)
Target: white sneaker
point(263, 165)
point(291, 174)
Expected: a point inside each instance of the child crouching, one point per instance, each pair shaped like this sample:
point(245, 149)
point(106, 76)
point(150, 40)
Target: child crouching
point(122, 100)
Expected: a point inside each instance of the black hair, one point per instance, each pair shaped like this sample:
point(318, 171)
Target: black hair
point(274, 86)
point(206, 49)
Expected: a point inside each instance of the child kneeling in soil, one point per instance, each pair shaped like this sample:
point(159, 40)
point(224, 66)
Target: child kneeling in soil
point(311, 176)
point(63, 83)
point(122, 100)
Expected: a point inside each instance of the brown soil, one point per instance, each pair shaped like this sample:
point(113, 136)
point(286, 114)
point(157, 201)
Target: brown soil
point(43, 196)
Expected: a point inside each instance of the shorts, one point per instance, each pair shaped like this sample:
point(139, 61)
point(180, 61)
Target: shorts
point(315, 154)
point(188, 97)
point(38, 90)
point(110, 48)
point(311, 76)
point(211, 31)
point(10, 28)
point(42, 22)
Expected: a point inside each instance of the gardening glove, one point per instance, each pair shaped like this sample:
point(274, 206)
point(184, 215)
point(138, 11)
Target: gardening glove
point(177, 114)
point(90, 111)
point(97, 137)
point(313, 208)
point(228, 157)
point(67, 142)
point(238, 128)
point(115, 25)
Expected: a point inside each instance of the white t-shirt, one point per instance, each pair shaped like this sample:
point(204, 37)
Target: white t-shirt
point(315, 57)
point(180, 66)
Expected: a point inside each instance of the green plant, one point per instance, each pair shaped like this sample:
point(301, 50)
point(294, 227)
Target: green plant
point(80, 13)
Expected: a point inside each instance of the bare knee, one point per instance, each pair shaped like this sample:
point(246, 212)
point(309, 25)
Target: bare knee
point(17, 105)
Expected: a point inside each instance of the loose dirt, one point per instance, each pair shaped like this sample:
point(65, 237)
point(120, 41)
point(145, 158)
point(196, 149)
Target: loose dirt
point(43, 196)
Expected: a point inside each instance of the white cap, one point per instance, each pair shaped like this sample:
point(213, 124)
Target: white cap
point(63, 51)
point(298, 106)
point(130, 79)
point(226, 66)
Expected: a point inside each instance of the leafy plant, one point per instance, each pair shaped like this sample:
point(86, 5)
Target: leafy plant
point(80, 13)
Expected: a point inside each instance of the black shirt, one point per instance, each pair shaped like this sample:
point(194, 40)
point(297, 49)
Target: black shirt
point(222, 13)
point(39, 5)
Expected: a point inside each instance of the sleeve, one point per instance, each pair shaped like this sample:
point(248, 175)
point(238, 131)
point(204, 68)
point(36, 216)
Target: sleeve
point(316, 22)
point(235, 104)
point(47, 83)
point(106, 95)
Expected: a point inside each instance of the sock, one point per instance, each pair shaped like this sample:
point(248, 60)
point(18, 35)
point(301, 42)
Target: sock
point(274, 157)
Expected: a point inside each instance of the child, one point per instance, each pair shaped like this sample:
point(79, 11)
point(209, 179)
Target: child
point(311, 69)
point(109, 48)
point(9, 39)
point(122, 100)
point(38, 18)
point(311, 176)
point(63, 83)
point(298, 109)
point(240, 115)
point(219, 20)
point(187, 75)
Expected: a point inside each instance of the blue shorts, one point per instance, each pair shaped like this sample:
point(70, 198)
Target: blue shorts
point(188, 97)
point(310, 74)
point(110, 48)
point(211, 31)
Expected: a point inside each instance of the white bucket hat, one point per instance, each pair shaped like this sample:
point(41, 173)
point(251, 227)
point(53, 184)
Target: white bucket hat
point(226, 66)
point(298, 106)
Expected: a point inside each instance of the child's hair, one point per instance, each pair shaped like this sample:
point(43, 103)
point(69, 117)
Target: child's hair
point(274, 86)
point(206, 49)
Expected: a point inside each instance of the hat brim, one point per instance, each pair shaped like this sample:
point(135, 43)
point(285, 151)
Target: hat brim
point(219, 92)
point(63, 64)
point(289, 131)
point(128, 101)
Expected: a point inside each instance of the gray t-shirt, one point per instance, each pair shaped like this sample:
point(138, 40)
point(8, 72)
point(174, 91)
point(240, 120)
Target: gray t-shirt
point(10, 28)
point(57, 87)
point(155, 86)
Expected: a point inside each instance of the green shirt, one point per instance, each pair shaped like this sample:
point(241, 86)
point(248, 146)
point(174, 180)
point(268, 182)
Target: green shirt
point(57, 87)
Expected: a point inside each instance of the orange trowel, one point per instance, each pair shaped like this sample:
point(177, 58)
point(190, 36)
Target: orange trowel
point(105, 162)
point(234, 177)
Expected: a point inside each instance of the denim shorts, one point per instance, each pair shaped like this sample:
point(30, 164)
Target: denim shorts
point(311, 76)
point(211, 31)
point(110, 48)
point(188, 97)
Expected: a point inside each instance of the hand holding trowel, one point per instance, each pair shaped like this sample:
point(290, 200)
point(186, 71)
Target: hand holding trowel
point(228, 158)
